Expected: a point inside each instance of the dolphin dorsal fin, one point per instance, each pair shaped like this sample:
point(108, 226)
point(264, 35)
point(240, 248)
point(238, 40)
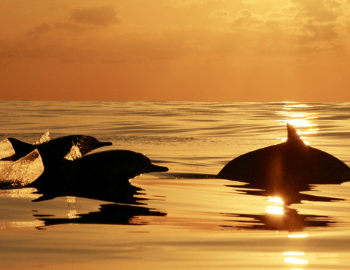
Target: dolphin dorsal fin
point(293, 136)
point(21, 148)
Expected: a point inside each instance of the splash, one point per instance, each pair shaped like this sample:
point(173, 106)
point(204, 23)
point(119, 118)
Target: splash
point(6, 149)
point(74, 153)
point(22, 172)
point(44, 138)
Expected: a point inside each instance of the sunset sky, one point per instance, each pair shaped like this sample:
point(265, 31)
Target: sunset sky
point(190, 50)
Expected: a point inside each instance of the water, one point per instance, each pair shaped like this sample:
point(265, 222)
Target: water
point(181, 219)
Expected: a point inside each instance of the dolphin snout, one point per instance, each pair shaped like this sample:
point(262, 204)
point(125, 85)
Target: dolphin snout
point(156, 168)
point(101, 144)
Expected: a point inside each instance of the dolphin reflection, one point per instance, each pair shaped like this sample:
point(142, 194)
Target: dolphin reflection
point(280, 217)
point(116, 214)
point(289, 220)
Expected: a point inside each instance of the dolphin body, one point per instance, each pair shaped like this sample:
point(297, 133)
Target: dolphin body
point(285, 168)
point(103, 175)
point(61, 146)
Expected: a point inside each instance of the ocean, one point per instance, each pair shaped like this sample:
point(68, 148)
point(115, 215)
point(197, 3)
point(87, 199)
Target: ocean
point(184, 218)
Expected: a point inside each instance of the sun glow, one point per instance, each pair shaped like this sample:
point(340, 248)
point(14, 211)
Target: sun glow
point(294, 260)
point(72, 214)
point(291, 257)
point(301, 235)
point(277, 206)
point(301, 117)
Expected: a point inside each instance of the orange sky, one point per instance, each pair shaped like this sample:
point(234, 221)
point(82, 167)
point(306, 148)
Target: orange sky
point(197, 50)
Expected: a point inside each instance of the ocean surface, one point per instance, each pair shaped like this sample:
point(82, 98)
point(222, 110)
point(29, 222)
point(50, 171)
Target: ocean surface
point(183, 218)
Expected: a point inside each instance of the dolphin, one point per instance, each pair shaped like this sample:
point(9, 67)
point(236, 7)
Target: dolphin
point(288, 167)
point(61, 146)
point(97, 174)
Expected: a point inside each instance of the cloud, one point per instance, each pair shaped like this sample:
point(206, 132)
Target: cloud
point(246, 18)
point(186, 3)
point(300, 26)
point(74, 27)
point(221, 15)
point(41, 29)
point(105, 15)
point(294, 29)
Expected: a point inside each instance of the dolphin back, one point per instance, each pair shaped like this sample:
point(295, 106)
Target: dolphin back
point(115, 164)
point(86, 144)
point(286, 164)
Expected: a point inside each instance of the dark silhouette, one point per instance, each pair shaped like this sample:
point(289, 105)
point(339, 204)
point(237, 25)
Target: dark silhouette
point(61, 146)
point(102, 175)
point(107, 214)
point(286, 169)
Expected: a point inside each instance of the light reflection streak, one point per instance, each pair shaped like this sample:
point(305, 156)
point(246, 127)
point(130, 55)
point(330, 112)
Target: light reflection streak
point(293, 104)
point(24, 193)
point(302, 117)
point(291, 256)
point(299, 115)
point(70, 199)
point(277, 207)
point(276, 210)
point(276, 200)
point(21, 224)
point(72, 214)
point(294, 260)
point(298, 235)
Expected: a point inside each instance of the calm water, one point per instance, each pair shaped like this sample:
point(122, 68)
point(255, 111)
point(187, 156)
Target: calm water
point(182, 219)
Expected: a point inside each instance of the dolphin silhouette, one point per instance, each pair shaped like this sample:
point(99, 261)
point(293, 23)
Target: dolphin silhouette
point(61, 146)
point(99, 173)
point(288, 167)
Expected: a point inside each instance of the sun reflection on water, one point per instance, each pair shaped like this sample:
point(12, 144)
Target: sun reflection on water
point(296, 257)
point(301, 117)
point(21, 224)
point(70, 199)
point(294, 260)
point(72, 214)
point(276, 207)
point(24, 193)
point(299, 235)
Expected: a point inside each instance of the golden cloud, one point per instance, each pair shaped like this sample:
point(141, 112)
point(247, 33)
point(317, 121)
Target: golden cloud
point(104, 15)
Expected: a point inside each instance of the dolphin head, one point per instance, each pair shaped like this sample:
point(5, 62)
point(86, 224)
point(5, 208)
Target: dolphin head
point(116, 165)
point(87, 143)
point(156, 168)
point(101, 144)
